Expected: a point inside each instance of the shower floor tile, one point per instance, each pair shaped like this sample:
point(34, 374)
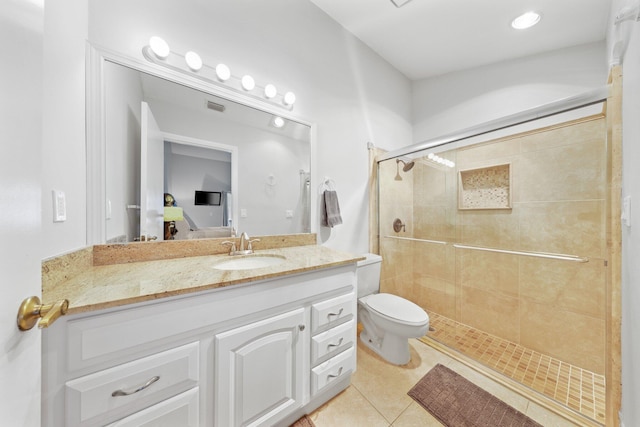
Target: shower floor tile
point(576, 388)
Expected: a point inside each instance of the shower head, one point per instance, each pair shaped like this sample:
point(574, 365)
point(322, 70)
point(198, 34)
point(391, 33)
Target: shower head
point(407, 165)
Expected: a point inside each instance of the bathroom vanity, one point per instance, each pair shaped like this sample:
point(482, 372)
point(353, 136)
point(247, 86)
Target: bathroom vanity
point(260, 346)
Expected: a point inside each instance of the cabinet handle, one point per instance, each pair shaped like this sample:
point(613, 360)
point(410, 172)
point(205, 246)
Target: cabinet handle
point(336, 375)
point(335, 345)
point(142, 387)
point(301, 327)
point(336, 314)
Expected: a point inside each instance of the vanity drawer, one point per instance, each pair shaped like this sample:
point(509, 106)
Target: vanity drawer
point(130, 387)
point(180, 410)
point(334, 368)
point(332, 311)
point(332, 341)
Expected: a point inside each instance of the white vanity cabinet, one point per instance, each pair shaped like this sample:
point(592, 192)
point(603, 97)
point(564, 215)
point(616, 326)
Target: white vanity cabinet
point(258, 353)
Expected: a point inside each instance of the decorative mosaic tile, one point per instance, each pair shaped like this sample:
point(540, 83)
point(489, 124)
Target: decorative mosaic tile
point(485, 188)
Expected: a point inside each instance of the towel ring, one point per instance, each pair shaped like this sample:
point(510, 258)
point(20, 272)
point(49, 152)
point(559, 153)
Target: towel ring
point(327, 184)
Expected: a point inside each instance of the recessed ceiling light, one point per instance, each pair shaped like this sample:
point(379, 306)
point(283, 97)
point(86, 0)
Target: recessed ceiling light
point(526, 20)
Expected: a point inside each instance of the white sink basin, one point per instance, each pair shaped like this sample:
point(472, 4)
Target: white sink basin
point(249, 262)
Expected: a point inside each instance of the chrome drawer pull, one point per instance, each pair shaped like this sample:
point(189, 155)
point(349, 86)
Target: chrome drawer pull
point(128, 393)
point(336, 314)
point(335, 345)
point(336, 375)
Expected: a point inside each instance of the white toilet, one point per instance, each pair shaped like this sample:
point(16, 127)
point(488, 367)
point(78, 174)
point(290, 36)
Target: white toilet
point(389, 320)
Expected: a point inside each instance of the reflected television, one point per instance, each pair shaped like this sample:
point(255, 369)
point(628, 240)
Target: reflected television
point(208, 198)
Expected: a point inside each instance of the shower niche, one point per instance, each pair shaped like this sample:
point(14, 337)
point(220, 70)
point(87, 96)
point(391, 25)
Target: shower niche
point(485, 188)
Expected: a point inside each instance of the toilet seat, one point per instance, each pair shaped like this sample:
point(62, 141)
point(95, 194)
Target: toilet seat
point(397, 309)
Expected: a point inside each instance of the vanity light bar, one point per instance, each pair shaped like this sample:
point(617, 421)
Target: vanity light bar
point(159, 53)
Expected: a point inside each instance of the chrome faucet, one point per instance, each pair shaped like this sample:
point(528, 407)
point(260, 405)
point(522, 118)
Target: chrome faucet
point(246, 245)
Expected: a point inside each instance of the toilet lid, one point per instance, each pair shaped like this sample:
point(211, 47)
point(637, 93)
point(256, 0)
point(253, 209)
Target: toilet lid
point(397, 308)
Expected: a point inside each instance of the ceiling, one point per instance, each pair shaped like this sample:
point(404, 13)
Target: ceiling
point(425, 38)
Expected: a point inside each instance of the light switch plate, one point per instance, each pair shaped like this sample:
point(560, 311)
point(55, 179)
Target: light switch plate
point(59, 206)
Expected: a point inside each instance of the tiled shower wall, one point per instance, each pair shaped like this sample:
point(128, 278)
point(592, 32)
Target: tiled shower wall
point(558, 205)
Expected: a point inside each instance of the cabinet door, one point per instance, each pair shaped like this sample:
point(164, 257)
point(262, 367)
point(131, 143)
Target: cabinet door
point(259, 370)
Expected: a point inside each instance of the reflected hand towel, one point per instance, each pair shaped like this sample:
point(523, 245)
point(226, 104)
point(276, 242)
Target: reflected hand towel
point(331, 211)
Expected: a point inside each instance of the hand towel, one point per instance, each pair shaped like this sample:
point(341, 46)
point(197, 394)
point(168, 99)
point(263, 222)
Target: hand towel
point(331, 211)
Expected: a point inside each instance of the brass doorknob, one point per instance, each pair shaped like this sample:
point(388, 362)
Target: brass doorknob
point(31, 310)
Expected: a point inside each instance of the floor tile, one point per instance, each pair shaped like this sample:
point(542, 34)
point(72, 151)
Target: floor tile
point(377, 396)
point(349, 408)
point(416, 416)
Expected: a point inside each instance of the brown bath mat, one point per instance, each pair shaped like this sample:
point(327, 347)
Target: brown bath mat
point(305, 421)
point(457, 402)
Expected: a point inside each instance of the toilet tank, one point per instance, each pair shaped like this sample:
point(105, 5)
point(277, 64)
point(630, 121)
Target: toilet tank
point(368, 271)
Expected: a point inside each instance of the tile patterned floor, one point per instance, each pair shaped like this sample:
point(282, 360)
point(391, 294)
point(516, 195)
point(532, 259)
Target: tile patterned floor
point(579, 389)
point(377, 396)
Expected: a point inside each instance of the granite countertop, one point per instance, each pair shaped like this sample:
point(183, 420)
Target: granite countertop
point(105, 286)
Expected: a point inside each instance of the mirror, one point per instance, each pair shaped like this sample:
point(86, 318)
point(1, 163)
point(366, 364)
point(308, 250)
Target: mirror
point(256, 175)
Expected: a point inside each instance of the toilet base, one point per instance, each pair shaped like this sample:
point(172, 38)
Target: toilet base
point(392, 348)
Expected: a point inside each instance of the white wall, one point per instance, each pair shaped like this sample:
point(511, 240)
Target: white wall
point(350, 92)
point(63, 147)
point(456, 101)
point(630, 237)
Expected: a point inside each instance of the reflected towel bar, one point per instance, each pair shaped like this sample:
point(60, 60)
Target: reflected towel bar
point(562, 257)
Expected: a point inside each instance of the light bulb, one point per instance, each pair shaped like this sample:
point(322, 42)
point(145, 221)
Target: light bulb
point(223, 72)
point(278, 122)
point(193, 60)
point(159, 47)
point(248, 83)
point(270, 91)
point(289, 98)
